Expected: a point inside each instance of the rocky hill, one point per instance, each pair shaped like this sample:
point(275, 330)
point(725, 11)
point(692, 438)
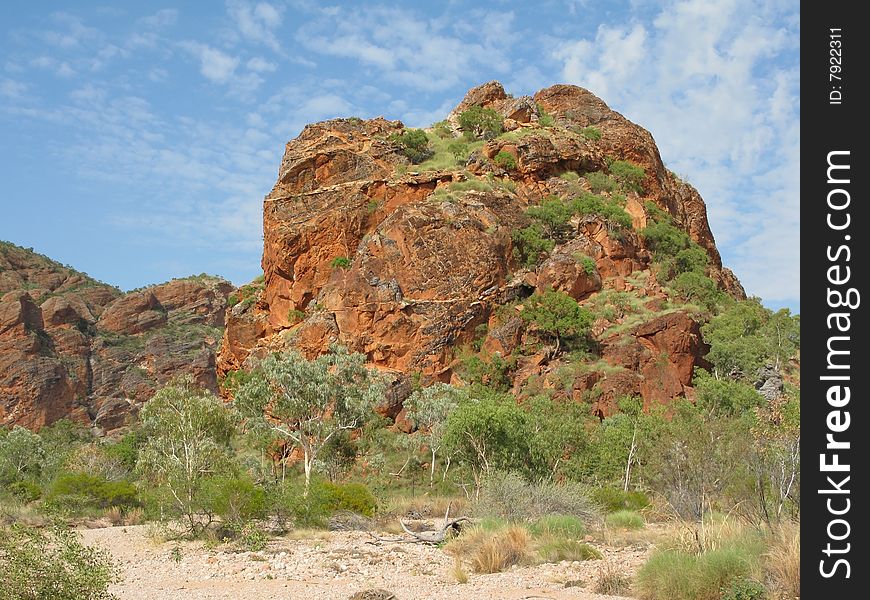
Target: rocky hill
point(421, 257)
point(73, 347)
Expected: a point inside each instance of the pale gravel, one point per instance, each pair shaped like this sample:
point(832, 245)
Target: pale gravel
point(333, 566)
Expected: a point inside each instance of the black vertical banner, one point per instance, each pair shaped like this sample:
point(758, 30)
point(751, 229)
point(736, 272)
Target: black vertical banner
point(835, 349)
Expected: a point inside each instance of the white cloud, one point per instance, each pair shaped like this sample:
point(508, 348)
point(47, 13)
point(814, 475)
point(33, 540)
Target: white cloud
point(256, 22)
point(215, 65)
point(706, 79)
point(261, 65)
point(405, 48)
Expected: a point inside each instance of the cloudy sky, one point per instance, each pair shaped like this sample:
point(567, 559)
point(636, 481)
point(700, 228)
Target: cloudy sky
point(138, 139)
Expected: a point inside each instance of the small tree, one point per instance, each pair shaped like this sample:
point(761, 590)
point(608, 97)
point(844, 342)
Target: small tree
point(413, 143)
point(21, 455)
point(489, 432)
point(428, 409)
point(479, 122)
point(557, 315)
point(307, 403)
point(188, 432)
point(52, 563)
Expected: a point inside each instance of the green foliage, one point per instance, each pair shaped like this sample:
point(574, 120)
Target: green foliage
point(557, 315)
point(340, 262)
point(530, 244)
point(126, 449)
point(477, 122)
point(590, 204)
point(353, 497)
point(614, 499)
point(322, 500)
point(545, 119)
point(570, 176)
point(510, 497)
point(625, 519)
point(677, 575)
point(664, 239)
point(309, 402)
point(487, 432)
point(442, 130)
point(24, 491)
point(79, 492)
point(37, 564)
point(188, 432)
point(22, 454)
point(628, 176)
point(745, 335)
point(428, 409)
point(600, 182)
point(557, 549)
point(587, 263)
point(697, 288)
point(492, 371)
point(744, 588)
point(590, 133)
point(459, 150)
point(566, 526)
point(553, 216)
point(505, 160)
point(725, 397)
point(413, 143)
point(236, 500)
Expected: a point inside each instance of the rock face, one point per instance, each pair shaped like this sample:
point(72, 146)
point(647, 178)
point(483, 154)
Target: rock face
point(407, 264)
point(71, 347)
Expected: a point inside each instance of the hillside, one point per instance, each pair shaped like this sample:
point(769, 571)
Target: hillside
point(420, 253)
point(73, 347)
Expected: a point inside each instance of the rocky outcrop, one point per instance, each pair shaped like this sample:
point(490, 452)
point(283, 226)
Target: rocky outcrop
point(406, 265)
point(72, 347)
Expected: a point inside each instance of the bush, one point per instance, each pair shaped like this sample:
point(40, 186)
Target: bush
point(24, 491)
point(600, 182)
point(587, 263)
point(479, 122)
point(698, 288)
point(613, 499)
point(590, 204)
point(340, 262)
point(557, 549)
point(553, 215)
point(509, 496)
point(324, 499)
point(413, 143)
point(505, 160)
point(459, 150)
point(664, 239)
point(743, 588)
point(82, 491)
point(567, 526)
point(42, 564)
point(590, 133)
point(557, 315)
point(235, 500)
point(678, 575)
point(625, 519)
point(442, 129)
point(545, 119)
point(492, 550)
point(530, 244)
point(353, 497)
point(629, 177)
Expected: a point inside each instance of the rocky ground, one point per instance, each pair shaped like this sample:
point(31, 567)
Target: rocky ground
point(335, 565)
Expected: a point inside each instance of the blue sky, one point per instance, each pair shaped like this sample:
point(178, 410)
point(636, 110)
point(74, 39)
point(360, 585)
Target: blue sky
point(138, 139)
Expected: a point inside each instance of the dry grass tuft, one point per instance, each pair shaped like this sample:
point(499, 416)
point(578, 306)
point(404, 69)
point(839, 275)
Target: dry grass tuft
point(611, 581)
point(492, 551)
point(783, 561)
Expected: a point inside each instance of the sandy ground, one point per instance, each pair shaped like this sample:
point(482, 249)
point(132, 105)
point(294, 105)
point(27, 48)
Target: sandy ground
point(333, 565)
